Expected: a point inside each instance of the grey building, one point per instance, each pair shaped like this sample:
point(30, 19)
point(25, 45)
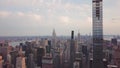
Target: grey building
point(97, 33)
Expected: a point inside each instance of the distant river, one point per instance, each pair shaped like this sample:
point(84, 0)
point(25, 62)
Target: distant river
point(14, 43)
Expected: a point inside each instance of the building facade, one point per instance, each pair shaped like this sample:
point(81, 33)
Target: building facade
point(20, 62)
point(1, 66)
point(97, 34)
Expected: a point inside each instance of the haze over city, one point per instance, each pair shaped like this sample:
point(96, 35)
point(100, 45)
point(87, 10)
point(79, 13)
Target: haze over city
point(40, 17)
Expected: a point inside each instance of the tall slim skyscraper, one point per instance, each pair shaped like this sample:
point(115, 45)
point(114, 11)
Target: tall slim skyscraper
point(97, 33)
point(78, 36)
point(72, 50)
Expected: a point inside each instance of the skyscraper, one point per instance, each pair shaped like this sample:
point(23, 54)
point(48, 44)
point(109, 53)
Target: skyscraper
point(97, 34)
point(40, 54)
point(114, 41)
point(78, 36)
point(72, 50)
point(1, 62)
point(20, 62)
point(53, 39)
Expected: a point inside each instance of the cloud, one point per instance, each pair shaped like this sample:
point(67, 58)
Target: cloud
point(65, 16)
point(20, 14)
point(20, 23)
point(4, 14)
point(34, 16)
point(89, 19)
point(64, 19)
point(49, 14)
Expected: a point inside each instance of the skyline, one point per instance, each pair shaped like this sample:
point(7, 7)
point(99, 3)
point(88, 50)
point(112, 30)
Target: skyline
point(40, 17)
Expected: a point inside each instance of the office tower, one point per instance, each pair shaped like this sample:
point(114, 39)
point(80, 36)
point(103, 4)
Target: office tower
point(13, 58)
point(45, 41)
point(97, 34)
point(55, 52)
point(31, 63)
point(49, 45)
point(9, 58)
point(57, 60)
point(20, 62)
point(84, 49)
point(4, 51)
point(78, 60)
point(1, 65)
point(76, 64)
point(79, 37)
point(78, 43)
point(114, 41)
point(105, 63)
point(91, 63)
point(72, 50)
point(47, 62)
point(40, 54)
point(116, 55)
point(54, 39)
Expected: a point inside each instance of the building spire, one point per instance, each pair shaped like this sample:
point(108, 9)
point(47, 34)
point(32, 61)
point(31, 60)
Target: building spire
point(78, 36)
point(54, 38)
point(54, 33)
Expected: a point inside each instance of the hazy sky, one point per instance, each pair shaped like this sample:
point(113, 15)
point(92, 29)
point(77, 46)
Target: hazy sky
point(40, 17)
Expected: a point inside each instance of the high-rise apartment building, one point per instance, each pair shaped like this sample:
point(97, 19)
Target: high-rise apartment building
point(97, 33)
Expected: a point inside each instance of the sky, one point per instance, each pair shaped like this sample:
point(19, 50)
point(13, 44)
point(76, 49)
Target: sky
point(40, 17)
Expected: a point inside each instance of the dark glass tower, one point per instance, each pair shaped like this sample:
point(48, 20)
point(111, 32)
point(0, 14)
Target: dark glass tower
point(72, 50)
point(97, 33)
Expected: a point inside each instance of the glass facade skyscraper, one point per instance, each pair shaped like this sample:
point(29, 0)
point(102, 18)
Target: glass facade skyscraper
point(97, 33)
